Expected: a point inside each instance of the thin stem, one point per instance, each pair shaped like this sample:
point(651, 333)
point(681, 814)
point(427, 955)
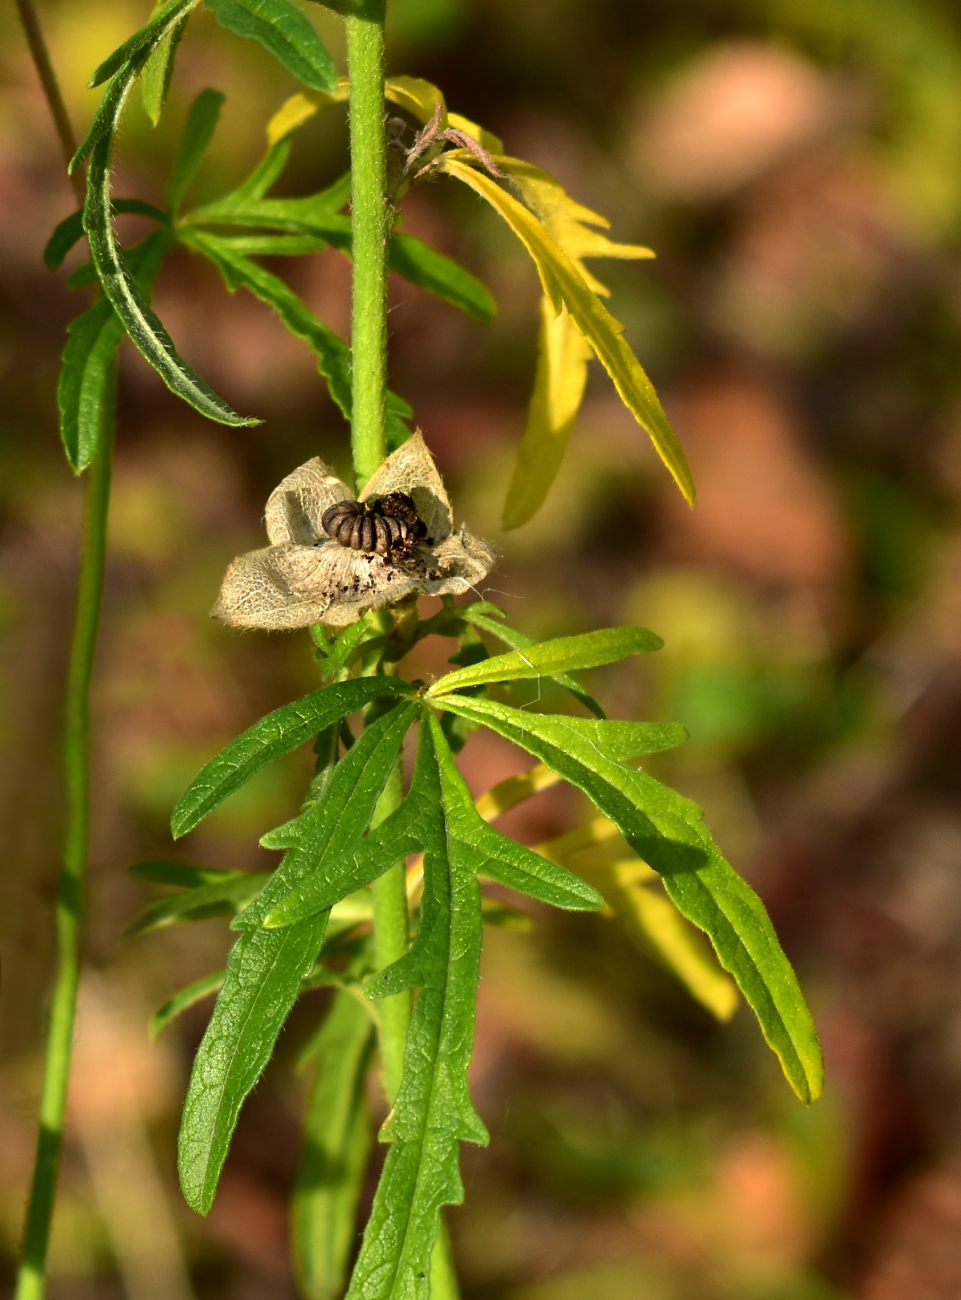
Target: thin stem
point(371, 213)
point(51, 90)
point(370, 220)
point(76, 762)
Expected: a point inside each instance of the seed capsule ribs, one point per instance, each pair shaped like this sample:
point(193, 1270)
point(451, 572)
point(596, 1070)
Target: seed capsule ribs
point(388, 526)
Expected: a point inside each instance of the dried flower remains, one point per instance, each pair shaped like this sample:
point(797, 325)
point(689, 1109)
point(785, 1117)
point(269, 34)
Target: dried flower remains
point(316, 574)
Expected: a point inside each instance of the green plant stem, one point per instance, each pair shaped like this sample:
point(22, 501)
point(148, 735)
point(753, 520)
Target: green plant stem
point(76, 764)
point(51, 90)
point(370, 220)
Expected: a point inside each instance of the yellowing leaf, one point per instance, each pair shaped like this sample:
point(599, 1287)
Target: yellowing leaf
point(568, 222)
point(649, 915)
point(486, 139)
point(600, 854)
point(295, 111)
point(562, 357)
point(565, 286)
point(417, 97)
point(514, 790)
point(597, 843)
point(562, 353)
point(420, 98)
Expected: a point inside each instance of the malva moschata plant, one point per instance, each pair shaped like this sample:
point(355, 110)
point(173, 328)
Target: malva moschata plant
point(399, 944)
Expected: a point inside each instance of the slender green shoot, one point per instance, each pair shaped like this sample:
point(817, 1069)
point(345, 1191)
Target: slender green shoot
point(371, 222)
point(76, 761)
point(370, 217)
point(51, 91)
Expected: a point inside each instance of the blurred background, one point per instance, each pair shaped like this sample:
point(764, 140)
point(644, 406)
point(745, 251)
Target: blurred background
point(797, 166)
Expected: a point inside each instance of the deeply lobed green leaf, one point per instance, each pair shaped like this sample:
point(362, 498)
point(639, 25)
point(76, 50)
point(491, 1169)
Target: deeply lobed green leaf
point(119, 285)
point(547, 658)
point(265, 968)
point(666, 830)
point(520, 641)
point(415, 828)
point(198, 132)
point(277, 734)
point(433, 1112)
point(281, 28)
point(84, 389)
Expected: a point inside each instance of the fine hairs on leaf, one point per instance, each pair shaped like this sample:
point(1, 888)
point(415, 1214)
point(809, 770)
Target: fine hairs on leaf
point(285, 32)
point(433, 1112)
point(277, 734)
point(86, 372)
point(119, 284)
point(667, 832)
point(265, 968)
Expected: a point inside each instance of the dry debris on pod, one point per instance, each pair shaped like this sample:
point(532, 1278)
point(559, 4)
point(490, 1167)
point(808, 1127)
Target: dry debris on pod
point(306, 577)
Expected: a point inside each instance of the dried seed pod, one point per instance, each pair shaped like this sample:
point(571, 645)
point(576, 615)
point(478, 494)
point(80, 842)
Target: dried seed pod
point(307, 576)
point(388, 525)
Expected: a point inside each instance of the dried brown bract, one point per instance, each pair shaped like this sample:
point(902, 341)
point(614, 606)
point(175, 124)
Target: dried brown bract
point(305, 576)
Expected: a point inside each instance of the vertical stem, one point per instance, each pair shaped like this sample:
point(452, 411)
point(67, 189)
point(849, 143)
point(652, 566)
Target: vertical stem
point(370, 228)
point(51, 90)
point(370, 219)
point(76, 763)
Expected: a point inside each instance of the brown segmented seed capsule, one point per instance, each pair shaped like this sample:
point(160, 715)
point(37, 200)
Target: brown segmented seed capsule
point(387, 525)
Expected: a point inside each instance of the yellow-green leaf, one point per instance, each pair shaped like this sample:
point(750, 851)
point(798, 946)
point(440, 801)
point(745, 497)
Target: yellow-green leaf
point(563, 352)
point(299, 108)
point(562, 358)
point(416, 96)
point(565, 286)
point(600, 854)
point(568, 222)
point(155, 78)
point(514, 790)
point(486, 139)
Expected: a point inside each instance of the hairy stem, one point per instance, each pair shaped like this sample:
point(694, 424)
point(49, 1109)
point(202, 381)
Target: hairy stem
point(76, 765)
point(51, 89)
point(371, 213)
point(370, 219)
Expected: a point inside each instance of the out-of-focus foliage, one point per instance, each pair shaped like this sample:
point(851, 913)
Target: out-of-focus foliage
point(795, 167)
